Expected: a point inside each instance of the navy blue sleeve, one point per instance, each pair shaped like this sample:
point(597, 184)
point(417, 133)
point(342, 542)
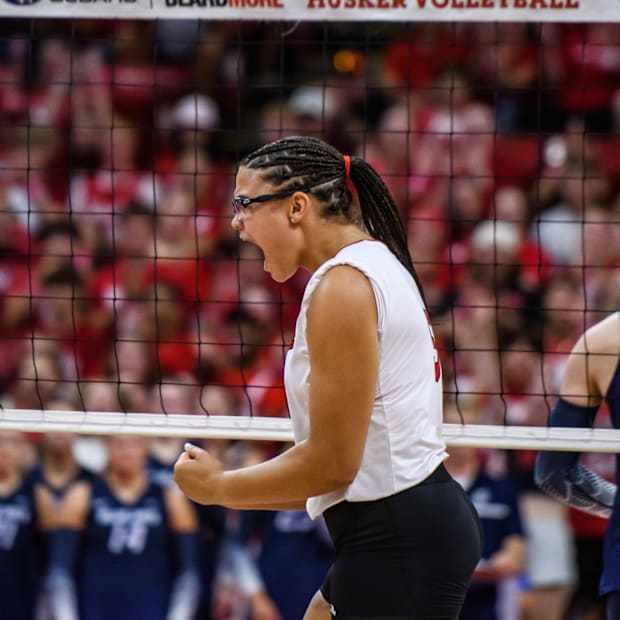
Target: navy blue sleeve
point(60, 581)
point(562, 476)
point(514, 525)
point(186, 586)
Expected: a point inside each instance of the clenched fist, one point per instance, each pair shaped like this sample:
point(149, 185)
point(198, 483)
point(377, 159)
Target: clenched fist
point(197, 474)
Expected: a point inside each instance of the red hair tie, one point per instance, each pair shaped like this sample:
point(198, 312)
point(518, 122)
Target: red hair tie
point(347, 167)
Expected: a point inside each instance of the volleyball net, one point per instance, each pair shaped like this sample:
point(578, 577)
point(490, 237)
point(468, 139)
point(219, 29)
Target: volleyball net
point(127, 304)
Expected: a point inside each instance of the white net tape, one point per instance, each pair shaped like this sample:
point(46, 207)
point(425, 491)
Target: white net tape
point(280, 429)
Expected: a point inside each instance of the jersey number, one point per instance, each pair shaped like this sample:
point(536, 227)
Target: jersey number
point(436, 361)
point(130, 536)
point(8, 533)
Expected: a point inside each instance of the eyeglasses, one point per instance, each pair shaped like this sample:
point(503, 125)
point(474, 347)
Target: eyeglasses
point(240, 203)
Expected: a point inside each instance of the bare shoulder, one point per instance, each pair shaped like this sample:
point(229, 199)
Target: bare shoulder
point(342, 308)
point(593, 360)
point(344, 287)
point(603, 337)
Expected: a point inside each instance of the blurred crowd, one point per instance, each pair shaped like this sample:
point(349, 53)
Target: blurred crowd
point(123, 287)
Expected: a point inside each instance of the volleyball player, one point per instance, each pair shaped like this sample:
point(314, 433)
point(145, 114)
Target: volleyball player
point(111, 551)
point(52, 476)
point(20, 512)
point(57, 469)
point(591, 376)
point(284, 556)
point(363, 383)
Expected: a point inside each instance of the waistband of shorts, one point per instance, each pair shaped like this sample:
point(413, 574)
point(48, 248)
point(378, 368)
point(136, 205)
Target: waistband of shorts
point(439, 475)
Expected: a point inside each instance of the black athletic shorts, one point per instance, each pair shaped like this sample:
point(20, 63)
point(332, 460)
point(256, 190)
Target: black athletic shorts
point(408, 556)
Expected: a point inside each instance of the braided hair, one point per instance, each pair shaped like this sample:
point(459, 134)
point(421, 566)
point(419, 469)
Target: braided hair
point(309, 164)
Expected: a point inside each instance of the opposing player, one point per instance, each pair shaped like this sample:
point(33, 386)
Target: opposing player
point(22, 508)
point(119, 529)
point(363, 382)
point(591, 376)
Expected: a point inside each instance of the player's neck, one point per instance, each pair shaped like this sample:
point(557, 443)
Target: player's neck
point(9, 481)
point(58, 465)
point(327, 239)
point(127, 486)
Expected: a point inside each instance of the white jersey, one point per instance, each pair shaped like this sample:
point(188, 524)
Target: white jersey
point(404, 443)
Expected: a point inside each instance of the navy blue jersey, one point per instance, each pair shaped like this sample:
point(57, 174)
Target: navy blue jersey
point(496, 502)
point(294, 558)
point(610, 579)
point(37, 476)
point(160, 472)
point(19, 561)
point(211, 523)
point(125, 569)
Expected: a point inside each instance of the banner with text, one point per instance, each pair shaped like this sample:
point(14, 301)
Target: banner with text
point(319, 10)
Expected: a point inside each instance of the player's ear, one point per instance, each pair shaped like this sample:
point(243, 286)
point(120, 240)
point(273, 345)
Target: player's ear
point(298, 207)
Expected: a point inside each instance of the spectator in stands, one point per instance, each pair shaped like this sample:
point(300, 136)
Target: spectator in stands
point(422, 52)
point(207, 182)
point(168, 329)
point(438, 269)
point(97, 196)
point(452, 162)
point(175, 225)
point(14, 257)
point(511, 204)
point(180, 241)
point(26, 188)
point(505, 60)
point(128, 527)
point(90, 106)
point(563, 308)
point(56, 247)
point(39, 377)
point(571, 182)
point(490, 305)
point(313, 109)
point(195, 119)
point(496, 500)
point(600, 257)
point(390, 148)
point(61, 315)
point(254, 369)
point(47, 95)
point(130, 363)
point(116, 287)
point(138, 84)
point(274, 121)
point(581, 70)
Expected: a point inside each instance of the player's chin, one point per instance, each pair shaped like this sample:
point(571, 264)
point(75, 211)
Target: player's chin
point(279, 276)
